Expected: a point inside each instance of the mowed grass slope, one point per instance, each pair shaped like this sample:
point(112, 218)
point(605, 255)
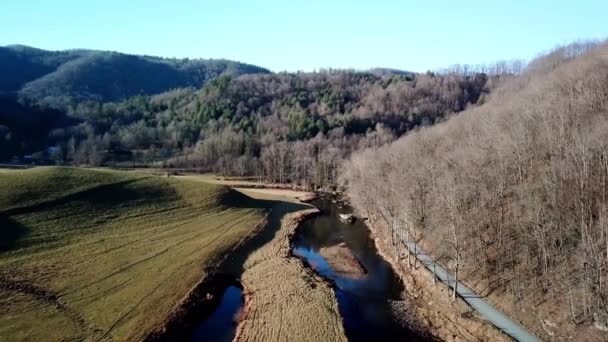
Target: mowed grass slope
point(101, 255)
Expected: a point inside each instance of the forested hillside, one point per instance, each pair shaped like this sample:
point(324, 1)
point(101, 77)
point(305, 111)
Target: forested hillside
point(512, 195)
point(22, 64)
point(26, 129)
point(62, 78)
point(281, 127)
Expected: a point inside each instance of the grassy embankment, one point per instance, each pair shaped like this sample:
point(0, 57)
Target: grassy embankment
point(93, 255)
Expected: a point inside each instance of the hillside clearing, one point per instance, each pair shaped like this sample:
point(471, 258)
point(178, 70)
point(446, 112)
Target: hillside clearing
point(92, 255)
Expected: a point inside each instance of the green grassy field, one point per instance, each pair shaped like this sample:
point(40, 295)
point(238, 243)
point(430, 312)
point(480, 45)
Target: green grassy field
point(100, 255)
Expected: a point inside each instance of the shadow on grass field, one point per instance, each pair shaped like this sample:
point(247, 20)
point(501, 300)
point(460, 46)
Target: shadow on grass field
point(98, 196)
point(235, 264)
point(10, 233)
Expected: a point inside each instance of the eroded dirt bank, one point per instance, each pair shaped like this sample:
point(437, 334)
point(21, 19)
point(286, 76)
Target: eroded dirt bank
point(284, 300)
point(429, 304)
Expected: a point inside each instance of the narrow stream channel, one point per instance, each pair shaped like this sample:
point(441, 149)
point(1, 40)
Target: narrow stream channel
point(363, 301)
point(221, 325)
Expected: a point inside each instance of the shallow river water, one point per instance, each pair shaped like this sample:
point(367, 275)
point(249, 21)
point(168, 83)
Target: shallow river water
point(221, 325)
point(363, 301)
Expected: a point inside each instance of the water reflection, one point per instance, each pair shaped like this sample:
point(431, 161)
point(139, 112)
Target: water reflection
point(327, 230)
point(363, 301)
point(221, 325)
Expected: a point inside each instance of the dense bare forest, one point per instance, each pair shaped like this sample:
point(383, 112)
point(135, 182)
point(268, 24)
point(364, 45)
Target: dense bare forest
point(511, 195)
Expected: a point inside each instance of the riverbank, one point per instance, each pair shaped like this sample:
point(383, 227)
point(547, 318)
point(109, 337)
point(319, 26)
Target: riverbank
point(429, 303)
point(283, 299)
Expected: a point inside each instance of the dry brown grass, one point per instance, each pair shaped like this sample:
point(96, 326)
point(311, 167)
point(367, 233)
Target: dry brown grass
point(285, 300)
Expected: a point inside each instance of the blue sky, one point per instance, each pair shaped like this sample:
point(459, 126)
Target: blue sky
point(306, 35)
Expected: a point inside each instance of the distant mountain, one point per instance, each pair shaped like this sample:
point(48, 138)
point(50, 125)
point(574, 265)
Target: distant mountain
point(21, 64)
point(62, 77)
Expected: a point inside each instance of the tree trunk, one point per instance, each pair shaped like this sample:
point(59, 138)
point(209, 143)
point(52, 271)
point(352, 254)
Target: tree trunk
point(456, 276)
point(407, 239)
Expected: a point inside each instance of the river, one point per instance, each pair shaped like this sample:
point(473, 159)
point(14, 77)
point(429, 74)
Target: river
point(364, 302)
point(221, 325)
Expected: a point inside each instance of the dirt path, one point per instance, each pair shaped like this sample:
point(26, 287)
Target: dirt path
point(285, 301)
